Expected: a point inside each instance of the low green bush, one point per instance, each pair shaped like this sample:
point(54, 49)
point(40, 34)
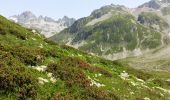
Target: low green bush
point(28, 56)
point(16, 80)
point(70, 71)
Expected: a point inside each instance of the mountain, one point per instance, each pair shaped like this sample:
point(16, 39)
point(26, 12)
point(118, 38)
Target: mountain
point(155, 4)
point(152, 4)
point(67, 21)
point(160, 7)
point(34, 68)
point(155, 18)
point(45, 25)
point(115, 32)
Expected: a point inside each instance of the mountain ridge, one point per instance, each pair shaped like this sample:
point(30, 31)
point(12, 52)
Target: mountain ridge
point(45, 25)
point(106, 24)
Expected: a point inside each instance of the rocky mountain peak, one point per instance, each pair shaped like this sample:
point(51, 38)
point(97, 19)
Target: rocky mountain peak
point(106, 9)
point(27, 15)
point(154, 4)
point(67, 21)
point(46, 25)
point(48, 19)
point(164, 1)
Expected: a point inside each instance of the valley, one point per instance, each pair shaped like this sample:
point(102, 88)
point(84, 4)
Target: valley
point(115, 53)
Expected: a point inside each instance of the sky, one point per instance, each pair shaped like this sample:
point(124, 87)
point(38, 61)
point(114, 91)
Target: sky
point(59, 8)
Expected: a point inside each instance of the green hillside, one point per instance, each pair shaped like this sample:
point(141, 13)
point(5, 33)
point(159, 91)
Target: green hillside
point(34, 68)
point(152, 20)
point(165, 10)
point(109, 30)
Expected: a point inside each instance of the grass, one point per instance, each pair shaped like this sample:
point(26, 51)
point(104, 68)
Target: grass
point(70, 67)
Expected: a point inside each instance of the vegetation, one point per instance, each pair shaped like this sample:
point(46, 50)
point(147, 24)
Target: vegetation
point(116, 34)
point(152, 19)
point(17, 81)
point(32, 67)
point(165, 10)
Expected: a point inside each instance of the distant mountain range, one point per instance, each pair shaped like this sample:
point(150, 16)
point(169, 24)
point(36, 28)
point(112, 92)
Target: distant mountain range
point(46, 25)
point(113, 31)
point(116, 32)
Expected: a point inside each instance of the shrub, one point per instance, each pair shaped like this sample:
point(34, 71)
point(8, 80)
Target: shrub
point(52, 53)
point(70, 75)
point(28, 56)
point(50, 42)
point(78, 63)
point(15, 80)
point(2, 32)
point(76, 79)
point(161, 82)
point(74, 62)
point(101, 70)
point(99, 94)
point(139, 74)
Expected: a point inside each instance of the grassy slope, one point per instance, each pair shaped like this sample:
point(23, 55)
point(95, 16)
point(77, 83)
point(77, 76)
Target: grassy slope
point(74, 70)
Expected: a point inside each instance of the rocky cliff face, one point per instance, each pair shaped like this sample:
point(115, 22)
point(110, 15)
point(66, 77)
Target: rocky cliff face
point(152, 4)
point(46, 25)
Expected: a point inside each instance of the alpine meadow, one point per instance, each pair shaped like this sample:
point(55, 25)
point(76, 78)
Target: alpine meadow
point(114, 53)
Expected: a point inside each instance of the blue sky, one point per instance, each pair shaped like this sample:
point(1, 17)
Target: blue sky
point(59, 8)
